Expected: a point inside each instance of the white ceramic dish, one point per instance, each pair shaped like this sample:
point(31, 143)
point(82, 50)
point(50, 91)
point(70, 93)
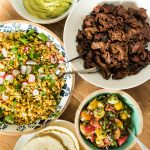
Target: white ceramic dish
point(14, 26)
point(137, 119)
point(75, 21)
point(19, 7)
point(61, 123)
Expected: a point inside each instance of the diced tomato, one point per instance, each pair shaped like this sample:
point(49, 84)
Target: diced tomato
point(122, 140)
point(94, 122)
point(107, 142)
point(89, 129)
point(92, 138)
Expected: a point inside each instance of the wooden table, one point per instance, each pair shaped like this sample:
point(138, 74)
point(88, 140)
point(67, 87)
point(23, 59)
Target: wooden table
point(140, 93)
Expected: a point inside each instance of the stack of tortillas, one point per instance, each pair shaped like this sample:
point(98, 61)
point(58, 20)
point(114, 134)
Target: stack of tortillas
point(53, 138)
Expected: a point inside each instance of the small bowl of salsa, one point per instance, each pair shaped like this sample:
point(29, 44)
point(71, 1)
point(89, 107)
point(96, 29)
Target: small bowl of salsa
point(103, 119)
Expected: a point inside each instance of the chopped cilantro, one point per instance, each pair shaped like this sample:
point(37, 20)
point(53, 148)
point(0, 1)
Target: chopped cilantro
point(42, 37)
point(43, 93)
point(14, 50)
point(2, 88)
point(1, 112)
point(31, 53)
point(36, 55)
point(43, 78)
point(11, 62)
point(37, 67)
point(30, 32)
point(23, 40)
point(17, 86)
point(9, 119)
point(1, 57)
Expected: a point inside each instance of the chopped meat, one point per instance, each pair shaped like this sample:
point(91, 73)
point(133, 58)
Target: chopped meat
point(115, 39)
point(117, 35)
point(99, 45)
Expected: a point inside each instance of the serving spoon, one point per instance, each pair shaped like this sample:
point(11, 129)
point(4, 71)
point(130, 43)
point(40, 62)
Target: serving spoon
point(143, 147)
point(84, 71)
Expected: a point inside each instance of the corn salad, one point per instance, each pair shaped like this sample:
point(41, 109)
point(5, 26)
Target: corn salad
point(29, 87)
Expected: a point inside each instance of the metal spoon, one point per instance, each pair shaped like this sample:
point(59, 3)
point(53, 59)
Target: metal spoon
point(85, 71)
point(143, 147)
point(80, 56)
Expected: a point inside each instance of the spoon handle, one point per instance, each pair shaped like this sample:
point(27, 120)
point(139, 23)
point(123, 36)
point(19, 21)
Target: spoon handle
point(143, 147)
point(84, 71)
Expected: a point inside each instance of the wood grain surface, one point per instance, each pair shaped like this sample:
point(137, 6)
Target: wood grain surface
point(82, 88)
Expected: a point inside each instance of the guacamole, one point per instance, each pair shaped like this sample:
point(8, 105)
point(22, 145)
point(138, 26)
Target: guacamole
point(46, 9)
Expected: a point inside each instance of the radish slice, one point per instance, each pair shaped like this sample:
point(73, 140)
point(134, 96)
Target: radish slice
point(41, 76)
point(4, 97)
point(53, 59)
point(25, 69)
point(10, 78)
point(35, 92)
point(26, 49)
point(28, 69)
point(24, 84)
point(2, 74)
point(1, 80)
point(31, 78)
point(15, 72)
point(48, 43)
point(61, 60)
point(4, 52)
point(57, 72)
point(31, 62)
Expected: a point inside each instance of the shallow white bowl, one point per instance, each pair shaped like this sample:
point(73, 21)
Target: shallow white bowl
point(75, 21)
point(19, 7)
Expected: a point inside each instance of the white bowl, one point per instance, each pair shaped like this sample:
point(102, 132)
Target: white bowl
point(75, 21)
point(19, 7)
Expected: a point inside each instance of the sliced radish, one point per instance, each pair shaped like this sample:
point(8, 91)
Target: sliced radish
point(41, 76)
point(15, 72)
point(1, 80)
point(2, 74)
point(48, 43)
point(28, 69)
point(35, 92)
point(31, 78)
point(53, 59)
point(31, 62)
point(24, 84)
point(4, 97)
point(57, 72)
point(10, 78)
point(25, 69)
point(26, 49)
point(61, 60)
point(4, 52)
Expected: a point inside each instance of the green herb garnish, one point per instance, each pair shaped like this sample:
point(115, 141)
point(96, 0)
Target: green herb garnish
point(23, 40)
point(2, 88)
point(14, 50)
point(31, 53)
point(1, 57)
point(9, 119)
point(30, 32)
point(42, 37)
